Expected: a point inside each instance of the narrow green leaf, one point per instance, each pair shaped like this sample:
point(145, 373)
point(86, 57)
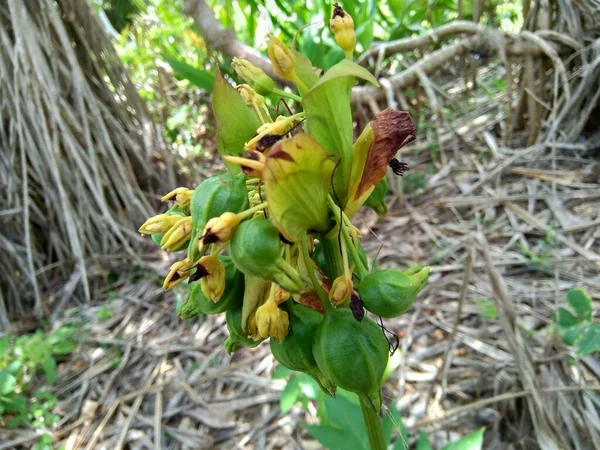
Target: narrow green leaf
point(473, 441)
point(581, 303)
point(308, 385)
point(236, 123)
point(184, 71)
point(423, 443)
point(590, 341)
point(304, 70)
point(289, 396)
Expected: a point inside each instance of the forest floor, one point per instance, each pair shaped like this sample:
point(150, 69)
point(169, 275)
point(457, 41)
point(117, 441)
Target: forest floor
point(506, 232)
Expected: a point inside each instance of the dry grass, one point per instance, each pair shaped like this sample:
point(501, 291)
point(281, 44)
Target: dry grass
point(76, 141)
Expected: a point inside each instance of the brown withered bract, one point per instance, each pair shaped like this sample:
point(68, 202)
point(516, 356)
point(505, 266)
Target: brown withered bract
point(391, 130)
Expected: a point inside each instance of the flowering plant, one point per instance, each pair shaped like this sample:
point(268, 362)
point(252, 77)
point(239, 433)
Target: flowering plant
point(270, 242)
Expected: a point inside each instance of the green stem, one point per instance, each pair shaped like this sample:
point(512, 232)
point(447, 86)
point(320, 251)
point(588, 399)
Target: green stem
point(373, 424)
point(283, 93)
point(362, 270)
point(247, 213)
point(333, 256)
point(311, 274)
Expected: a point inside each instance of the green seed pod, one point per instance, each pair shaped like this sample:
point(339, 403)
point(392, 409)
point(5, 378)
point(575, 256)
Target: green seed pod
point(174, 211)
point(320, 257)
point(295, 352)
point(237, 337)
point(255, 249)
point(389, 293)
point(231, 298)
point(213, 197)
point(376, 201)
point(352, 354)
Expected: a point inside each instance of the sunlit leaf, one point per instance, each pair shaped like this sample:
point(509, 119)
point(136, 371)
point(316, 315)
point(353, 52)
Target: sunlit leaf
point(290, 394)
point(581, 303)
point(473, 441)
point(423, 443)
point(296, 176)
point(236, 123)
point(7, 383)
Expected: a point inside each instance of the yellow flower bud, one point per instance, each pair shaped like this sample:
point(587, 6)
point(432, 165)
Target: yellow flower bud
point(219, 229)
point(159, 224)
point(254, 76)
point(212, 284)
point(252, 328)
point(269, 133)
point(177, 235)
point(179, 271)
point(252, 166)
point(282, 58)
point(281, 295)
point(271, 321)
point(342, 26)
point(250, 96)
point(181, 195)
point(340, 290)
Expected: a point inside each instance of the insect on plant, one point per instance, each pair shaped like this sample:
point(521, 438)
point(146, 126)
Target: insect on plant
point(270, 242)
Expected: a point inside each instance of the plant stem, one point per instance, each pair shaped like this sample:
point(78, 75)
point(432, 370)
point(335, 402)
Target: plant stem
point(283, 93)
point(373, 424)
point(311, 274)
point(333, 256)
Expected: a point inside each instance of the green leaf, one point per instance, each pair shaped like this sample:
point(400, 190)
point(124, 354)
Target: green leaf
point(346, 415)
point(304, 70)
point(236, 123)
point(334, 438)
point(308, 385)
point(473, 441)
point(290, 394)
point(7, 383)
point(198, 77)
point(4, 346)
point(573, 334)
point(14, 403)
point(343, 69)
point(281, 372)
point(581, 303)
point(49, 366)
point(64, 348)
point(590, 341)
point(423, 443)
point(37, 349)
point(565, 319)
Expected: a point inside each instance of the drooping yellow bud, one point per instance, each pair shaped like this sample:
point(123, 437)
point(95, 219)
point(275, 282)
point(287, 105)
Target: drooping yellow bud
point(254, 76)
point(252, 328)
point(250, 96)
point(219, 229)
point(159, 224)
point(177, 235)
point(212, 284)
point(181, 195)
point(342, 26)
point(340, 290)
point(252, 166)
point(179, 271)
point(282, 58)
point(271, 321)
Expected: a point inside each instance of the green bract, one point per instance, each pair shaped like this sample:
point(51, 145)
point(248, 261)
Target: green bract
point(255, 249)
point(296, 351)
point(231, 298)
point(389, 293)
point(237, 337)
point(213, 197)
point(352, 354)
